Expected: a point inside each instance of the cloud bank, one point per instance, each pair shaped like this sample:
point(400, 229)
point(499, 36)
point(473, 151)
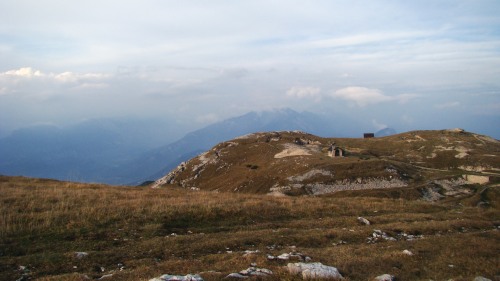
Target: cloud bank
point(189, 62)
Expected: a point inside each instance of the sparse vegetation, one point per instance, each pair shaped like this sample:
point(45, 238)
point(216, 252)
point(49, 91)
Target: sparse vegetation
point(150, 232)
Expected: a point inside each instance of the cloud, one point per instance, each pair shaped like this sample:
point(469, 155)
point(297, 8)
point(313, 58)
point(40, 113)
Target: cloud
point(362, 96)
point(304, 93)
point(65, 77)
point(450, 104)
point(378, 126)
point(22, 72)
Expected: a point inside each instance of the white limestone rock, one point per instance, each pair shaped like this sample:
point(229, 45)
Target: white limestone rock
point(314, 270)
point(364, 221)
point(408, 253)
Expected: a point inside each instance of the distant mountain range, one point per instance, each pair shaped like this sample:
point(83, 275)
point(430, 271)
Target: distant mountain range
point(83, 152)
point(118, 151)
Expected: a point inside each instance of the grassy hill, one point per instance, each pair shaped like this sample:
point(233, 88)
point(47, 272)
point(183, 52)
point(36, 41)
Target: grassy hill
point(298, 163)
point(218, 213)
point(138, 233)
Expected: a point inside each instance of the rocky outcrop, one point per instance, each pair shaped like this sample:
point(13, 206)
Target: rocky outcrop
point(319, 188)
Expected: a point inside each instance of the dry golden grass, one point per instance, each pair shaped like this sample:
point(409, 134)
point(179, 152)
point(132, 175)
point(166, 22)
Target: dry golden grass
point(43, 223)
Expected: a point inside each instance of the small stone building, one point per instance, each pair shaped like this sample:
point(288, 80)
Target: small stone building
point(368, 135)
point(335, 151)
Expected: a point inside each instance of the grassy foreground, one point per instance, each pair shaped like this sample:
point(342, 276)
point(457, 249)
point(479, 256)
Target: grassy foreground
point(148, 232)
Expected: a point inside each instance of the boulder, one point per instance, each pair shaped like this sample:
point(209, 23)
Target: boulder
point(363, 221)
point(314, 270)
point(408, 253)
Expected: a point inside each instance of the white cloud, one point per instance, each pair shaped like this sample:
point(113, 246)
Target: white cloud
point(304, 93)
point(362, 96)
point(450, 104)
point(23, 72)
point(65, 77)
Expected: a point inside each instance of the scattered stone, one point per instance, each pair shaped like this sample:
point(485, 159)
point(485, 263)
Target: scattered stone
point(168, 277)
point(251, 271)
point(288, 256)
point(364, 221)
point(249, 252)
point(481, 278)
point(341, 242)
point(284, 256)
point(25, 273)
point(378, 235)
point(384, 277)
point(408, 253)
point(234, 275)
point(314, 270)
point(81, 255)
point(23, 268)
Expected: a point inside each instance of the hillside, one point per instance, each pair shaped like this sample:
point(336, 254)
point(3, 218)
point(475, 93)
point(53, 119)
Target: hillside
point(298, 163)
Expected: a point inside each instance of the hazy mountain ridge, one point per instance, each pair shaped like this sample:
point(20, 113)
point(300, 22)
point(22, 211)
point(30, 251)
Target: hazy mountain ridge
point(82, 152)
point(130, 151)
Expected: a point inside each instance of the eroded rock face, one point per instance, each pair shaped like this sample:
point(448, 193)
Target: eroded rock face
point(315, 270)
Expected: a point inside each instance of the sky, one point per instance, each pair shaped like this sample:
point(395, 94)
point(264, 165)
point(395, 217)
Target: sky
point(406, 64)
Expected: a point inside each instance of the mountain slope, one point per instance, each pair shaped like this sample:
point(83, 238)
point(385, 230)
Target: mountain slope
point(299, 163)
